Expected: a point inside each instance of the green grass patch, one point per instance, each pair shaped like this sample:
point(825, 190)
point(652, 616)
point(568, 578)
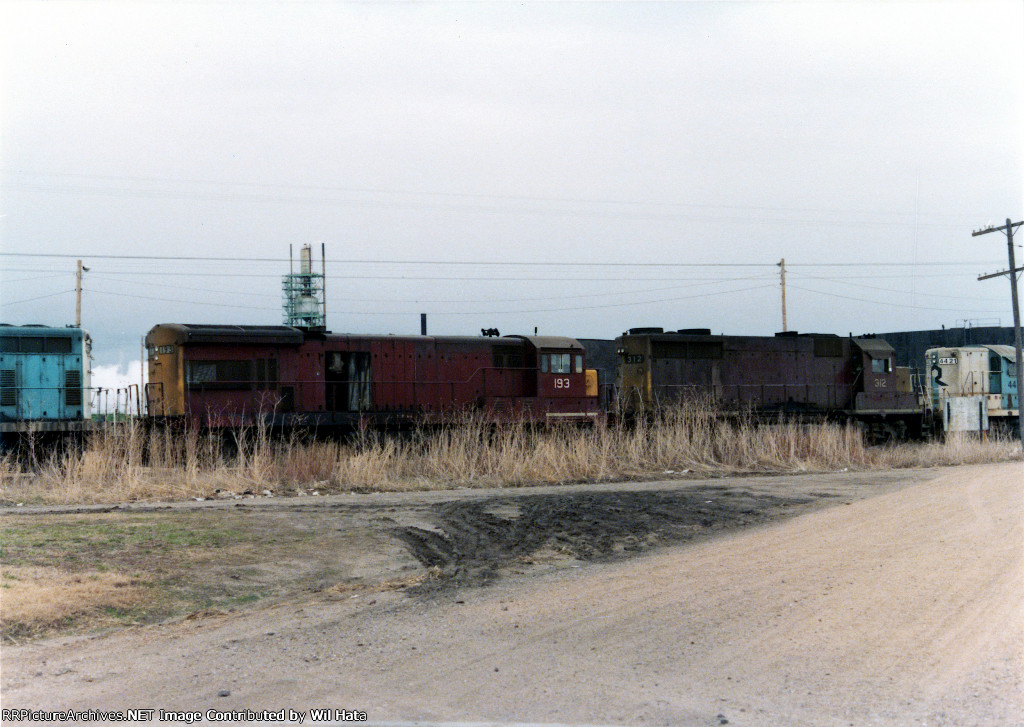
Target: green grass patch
point(96, 544)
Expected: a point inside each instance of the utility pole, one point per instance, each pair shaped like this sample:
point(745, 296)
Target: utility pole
point(1008, 229)
point(78, 293)
point(782, 264)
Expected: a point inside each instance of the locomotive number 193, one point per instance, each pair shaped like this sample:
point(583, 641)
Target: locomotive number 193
point(561, 383)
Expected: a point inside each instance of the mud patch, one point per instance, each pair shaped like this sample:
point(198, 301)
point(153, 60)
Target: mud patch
point(472, 542)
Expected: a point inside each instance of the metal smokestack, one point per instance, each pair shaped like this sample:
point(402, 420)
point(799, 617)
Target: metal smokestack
point(306, 260)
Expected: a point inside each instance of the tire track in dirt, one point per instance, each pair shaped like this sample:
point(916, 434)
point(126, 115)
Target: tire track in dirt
point(473, 541)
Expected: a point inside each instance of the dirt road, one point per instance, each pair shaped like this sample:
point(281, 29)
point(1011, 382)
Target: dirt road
point(902, 608)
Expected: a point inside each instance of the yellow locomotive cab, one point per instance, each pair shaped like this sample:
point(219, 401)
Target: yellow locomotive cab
point(165, 392)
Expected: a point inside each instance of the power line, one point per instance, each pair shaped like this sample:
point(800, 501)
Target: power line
point(602, 294)
point(497, 263)
point(258, 192)
point(636, 214)
point(707, 294)
point(447, 278)
point(560, 278)
point(603, 306)
point(176, 300)
point(39, 297)
point(891, 291)
point(889, 303)
point(120, 278)
point(36, 277)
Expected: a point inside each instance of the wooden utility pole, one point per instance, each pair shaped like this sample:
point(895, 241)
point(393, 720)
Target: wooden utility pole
point(782, 264)
point(1008, 229)
point(142, 374)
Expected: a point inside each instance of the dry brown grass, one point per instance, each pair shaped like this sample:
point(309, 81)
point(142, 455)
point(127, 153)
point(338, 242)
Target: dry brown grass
point(957, 449)
point(131, 463)
point(339, 590)
point(35, 599)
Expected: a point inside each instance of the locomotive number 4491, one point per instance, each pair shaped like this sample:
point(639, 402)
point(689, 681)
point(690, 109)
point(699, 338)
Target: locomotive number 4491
point(561, 383)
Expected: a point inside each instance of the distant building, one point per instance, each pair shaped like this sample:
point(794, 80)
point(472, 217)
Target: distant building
point(911, 345)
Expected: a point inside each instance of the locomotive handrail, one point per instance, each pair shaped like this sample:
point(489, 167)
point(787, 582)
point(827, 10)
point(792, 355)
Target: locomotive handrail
point(101, 408)
point(163, 395)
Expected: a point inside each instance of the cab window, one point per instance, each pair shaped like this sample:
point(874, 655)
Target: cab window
point(880, 366)
point(561, 363)
point(543, 363)
point(579, 364)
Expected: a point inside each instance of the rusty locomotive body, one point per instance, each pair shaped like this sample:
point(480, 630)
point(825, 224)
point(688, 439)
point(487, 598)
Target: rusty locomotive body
point(221, 376)
point(810, 375)
point(227, 376)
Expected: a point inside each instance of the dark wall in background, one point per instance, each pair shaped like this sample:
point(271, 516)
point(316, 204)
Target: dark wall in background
point(601, 356)
point(911, 345)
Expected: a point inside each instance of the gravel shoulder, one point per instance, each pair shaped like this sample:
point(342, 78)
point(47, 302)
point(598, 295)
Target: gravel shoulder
point(885, 598)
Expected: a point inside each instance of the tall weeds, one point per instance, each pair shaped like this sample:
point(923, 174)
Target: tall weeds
point(130, 462)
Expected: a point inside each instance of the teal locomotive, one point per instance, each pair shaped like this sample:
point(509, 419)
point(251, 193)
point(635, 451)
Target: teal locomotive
point(44, 379)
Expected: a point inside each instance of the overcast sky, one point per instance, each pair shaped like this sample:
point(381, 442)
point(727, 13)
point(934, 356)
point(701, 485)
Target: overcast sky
point(581, 168)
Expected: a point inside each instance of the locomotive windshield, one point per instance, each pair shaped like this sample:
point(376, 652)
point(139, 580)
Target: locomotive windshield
point(881, 365)
point(560, 363)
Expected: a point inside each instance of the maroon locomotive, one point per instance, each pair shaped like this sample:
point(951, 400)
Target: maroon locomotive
point(218, 375)
point(804, 375)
